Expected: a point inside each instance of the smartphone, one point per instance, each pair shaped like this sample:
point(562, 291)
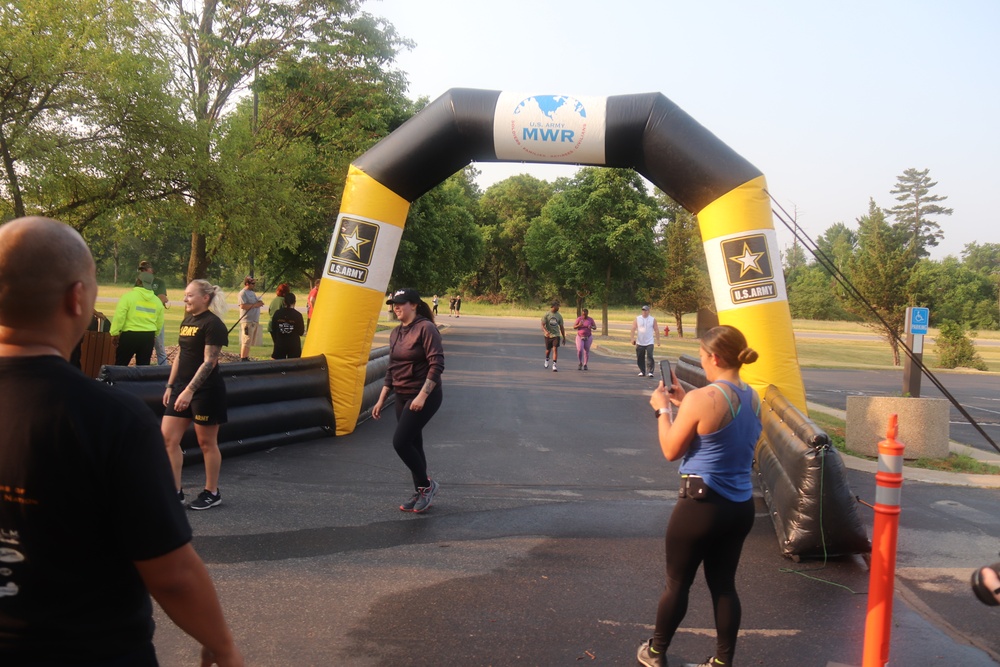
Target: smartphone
point(667, 376)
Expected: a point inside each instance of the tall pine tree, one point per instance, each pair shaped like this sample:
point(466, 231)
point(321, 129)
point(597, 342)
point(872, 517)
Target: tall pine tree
point(916, 230)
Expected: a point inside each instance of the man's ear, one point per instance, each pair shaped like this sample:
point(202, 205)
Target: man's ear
point(74, 300)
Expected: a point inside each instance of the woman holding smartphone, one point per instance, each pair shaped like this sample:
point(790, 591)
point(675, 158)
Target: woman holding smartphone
point(715, 432)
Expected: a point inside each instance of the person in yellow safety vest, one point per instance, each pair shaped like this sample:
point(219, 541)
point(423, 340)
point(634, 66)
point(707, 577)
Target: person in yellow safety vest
point(138, 318)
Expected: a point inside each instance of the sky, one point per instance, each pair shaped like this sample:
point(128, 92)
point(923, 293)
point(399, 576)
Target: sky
point(831, 101)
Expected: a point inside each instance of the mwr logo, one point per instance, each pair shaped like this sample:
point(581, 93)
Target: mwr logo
point(747, 259)
point(549, 126)
point(353, 249)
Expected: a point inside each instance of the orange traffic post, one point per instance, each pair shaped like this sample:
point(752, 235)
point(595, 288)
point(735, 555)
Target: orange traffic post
point(888, 490)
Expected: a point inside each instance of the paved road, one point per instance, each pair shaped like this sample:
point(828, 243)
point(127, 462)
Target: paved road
point(977, 393)
point(545, 545)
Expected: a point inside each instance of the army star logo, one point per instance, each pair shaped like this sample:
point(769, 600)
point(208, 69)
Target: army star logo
point(747, 261)
point(353, 242)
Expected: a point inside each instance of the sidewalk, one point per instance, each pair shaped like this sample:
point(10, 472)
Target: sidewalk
point(920, 474)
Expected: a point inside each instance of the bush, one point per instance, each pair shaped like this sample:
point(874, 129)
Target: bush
point(954, 347)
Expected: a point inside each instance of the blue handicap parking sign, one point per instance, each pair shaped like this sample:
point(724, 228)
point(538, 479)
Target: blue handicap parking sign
point(918, 320)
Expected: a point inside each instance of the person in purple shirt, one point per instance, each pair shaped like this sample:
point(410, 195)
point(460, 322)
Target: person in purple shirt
point(716, 432)
point(584, 326)
point(416, 361)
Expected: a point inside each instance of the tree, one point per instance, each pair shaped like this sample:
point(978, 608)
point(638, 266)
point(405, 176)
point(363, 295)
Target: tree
point(955, 348)
point(685, 284)
point(595, 232)
point(506, 211)
point(880, 271)
point(793, 261)
point(85, 123)
point(441, 243)
point(955, 293)
point(219, 47)
point(812, 295)
point(912, 190)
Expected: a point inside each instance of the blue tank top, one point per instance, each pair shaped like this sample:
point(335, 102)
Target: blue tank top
point(724, 458)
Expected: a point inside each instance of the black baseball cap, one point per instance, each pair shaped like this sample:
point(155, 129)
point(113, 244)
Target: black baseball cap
point(404, 295)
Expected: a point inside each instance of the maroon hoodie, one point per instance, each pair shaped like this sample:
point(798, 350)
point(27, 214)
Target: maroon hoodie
point(415, 356)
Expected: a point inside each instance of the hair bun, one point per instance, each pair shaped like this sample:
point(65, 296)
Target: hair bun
point(748, 355)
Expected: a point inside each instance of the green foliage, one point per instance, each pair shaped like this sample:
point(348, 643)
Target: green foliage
point(85, 123)
point(506, 210)
point(916, 230)
point(812, 296)
point(682, 285)
point(957, 293)
point(441, 244)
point(955, 348)
point(880, 271)
point(595, 233)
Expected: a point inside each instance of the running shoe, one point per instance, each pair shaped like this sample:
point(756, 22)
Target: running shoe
point(650, 375)
point(180, 496)
point(546, 362)
point(710, 662)
point(426, 497)
point(411, 503)
point(647, 658)
point(585, 367)
point(641, 374)
point(205, 500)
point(579, 367)
point(554, 369)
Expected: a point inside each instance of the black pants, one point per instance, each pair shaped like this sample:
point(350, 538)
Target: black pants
point(709, 531)
point(408, 440)
point(644, 358)
point(135, 343)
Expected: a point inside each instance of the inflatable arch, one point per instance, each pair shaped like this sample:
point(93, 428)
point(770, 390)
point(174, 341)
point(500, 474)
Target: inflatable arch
point(645, 132)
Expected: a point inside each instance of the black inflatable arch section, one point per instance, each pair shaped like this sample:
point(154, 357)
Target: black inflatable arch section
point(645, 132)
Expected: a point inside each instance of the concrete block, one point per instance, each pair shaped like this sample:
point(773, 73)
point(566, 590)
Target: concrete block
point(923, 425)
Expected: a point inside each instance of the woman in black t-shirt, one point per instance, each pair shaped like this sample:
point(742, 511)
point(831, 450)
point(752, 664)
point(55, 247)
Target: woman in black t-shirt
point(195, 390)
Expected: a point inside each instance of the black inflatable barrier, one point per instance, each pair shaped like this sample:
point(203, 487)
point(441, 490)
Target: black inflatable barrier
point(378, 363)
point(269, 403)
point(805, 487)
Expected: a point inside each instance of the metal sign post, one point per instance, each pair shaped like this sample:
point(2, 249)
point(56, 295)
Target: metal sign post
point(917, 320)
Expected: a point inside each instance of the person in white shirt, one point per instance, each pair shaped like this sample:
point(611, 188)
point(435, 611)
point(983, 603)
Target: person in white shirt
point(644, 334)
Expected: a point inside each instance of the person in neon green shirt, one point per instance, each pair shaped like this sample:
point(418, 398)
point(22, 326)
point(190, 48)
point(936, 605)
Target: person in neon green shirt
point(138, 318)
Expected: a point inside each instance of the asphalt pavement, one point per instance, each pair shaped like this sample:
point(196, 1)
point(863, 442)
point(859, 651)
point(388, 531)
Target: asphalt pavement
point(545, 543)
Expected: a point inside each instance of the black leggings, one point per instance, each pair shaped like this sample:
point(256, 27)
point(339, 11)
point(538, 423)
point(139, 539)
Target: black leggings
point(408, 440)
point(709, 531)
point(138, 344)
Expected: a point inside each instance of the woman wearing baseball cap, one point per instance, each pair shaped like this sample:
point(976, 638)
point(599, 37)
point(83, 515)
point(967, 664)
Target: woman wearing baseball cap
point(416, 361)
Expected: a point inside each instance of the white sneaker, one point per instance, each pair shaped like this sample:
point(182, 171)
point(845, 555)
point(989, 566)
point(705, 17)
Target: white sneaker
point(650, 375)
point(546, 362)
point(641, 374)
point(554, 369)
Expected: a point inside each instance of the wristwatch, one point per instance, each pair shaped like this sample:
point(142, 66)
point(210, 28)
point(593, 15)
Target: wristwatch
point(661, 411)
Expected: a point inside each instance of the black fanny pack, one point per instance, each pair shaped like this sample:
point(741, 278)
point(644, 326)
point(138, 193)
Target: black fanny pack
point(692, 486)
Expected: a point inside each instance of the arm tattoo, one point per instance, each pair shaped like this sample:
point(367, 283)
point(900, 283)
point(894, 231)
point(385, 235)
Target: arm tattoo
point(428, 386)
point(212, 353)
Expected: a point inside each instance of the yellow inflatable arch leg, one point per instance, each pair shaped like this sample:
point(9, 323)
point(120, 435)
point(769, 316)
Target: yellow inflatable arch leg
point(352, 288)
point(749, 286)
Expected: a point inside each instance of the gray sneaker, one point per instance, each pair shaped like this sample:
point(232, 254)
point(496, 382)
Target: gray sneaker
point(411, 503)
point(426, 497)
point(647, 658)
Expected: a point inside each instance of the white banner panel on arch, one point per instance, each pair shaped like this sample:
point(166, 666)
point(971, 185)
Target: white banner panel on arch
point(362, 252)
point(745, 268)
point(549, 128)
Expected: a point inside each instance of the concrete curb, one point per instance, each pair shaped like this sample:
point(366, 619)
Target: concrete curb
point(919, 474)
